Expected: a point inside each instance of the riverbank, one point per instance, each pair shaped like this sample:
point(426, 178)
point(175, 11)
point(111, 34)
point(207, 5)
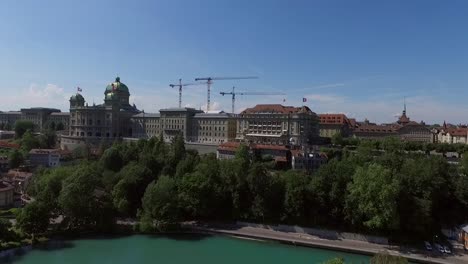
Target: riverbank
point(351, 246)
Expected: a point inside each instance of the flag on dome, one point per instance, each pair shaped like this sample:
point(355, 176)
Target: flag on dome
point(79, 89)
point(304, 99)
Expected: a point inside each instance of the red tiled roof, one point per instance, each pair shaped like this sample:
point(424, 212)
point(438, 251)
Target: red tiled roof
point(275, 108)
point(5, 144)
point(457, 131)
point(376, 128)
point(43, 151)
point(272, 147)
point(333, 119)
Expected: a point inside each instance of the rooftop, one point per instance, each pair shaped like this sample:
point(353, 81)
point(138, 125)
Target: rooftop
point(276, 109)
point(4, 186)
point(148, 115)
point(43, 151)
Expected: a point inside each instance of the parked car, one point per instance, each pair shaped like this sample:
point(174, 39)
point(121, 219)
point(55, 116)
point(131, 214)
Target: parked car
point(428, 246)
point(447, 250)
point(439, 248)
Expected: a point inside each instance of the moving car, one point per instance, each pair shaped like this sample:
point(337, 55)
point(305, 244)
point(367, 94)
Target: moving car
point(439, 247)
point(427, 245)
point(447, 250)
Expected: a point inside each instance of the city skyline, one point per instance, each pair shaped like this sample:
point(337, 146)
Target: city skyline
point(358, 59)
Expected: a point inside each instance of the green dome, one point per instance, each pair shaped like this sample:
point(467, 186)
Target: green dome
point(110, 96)
point(77, 97)
point(117, 86)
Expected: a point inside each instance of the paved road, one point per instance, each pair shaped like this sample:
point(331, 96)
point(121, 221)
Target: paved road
point(341, 244)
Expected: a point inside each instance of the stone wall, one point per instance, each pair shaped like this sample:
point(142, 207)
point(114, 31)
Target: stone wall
point(322, 233)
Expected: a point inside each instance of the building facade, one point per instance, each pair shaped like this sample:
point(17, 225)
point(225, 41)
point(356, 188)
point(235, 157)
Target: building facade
point(213, 128)
point(332, 124)
point(278, 125)
point(308, 161)
point(195, 125)
point(39, 116)
point(452, 135)
point(6, 194)
point(100, 123)
point(403, 128)
point(44, 157)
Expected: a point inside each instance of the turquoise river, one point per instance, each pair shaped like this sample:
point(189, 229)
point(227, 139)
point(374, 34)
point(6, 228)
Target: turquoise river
point(184, 249)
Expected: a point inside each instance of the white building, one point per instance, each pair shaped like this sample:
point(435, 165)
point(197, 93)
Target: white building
point(44, 157)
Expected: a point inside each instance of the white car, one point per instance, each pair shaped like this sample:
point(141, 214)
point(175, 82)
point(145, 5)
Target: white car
point(447, 250)
point(428, 246)
point(439, 248)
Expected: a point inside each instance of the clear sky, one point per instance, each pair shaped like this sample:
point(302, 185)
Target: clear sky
point(355, 57)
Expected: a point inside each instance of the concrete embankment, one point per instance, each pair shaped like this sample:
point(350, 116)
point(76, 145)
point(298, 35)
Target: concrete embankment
point(350, 246)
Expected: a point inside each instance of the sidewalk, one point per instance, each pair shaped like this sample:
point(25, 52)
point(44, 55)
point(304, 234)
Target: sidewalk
point(352, 246)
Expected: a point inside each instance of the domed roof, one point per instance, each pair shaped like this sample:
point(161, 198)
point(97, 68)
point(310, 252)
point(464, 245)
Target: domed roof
point(77, 97)
point(117, 86)
point(110, 96)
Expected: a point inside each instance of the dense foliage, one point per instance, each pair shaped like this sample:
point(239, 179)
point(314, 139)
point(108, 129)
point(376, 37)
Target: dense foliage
point(391, 193)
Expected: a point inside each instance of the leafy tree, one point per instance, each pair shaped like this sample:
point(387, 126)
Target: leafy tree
point(60, 126)
point(464, 164)
point(200, 192)
point(337, 139)
point(296, 197)
point(21, 126)
point(383, 258)
point(329, 188)
point(33, 218)
point(160, 201)
point(51, 125)
point(372, 198)
point(5, 232)
point(79, 199)
point(112, 159)
point(16, 159)
point(29, 141)
point(129, 190)
point(47, 139)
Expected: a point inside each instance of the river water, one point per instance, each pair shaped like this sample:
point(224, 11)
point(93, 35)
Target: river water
point(192, 249)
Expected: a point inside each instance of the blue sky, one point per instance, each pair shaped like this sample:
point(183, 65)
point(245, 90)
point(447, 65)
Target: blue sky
point(355, 57)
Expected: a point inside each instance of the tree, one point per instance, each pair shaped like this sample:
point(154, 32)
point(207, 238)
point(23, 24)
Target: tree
point(29, 141)
point(77, 198)
point(60, 126)
point(16, 159)
point(21, 126)
point(160, 201)
point(5, 232)
point(337, 139)
point(384, 258)
point(112, 159)
point(129, 190)
point(296, 197)
point(47, 139)
point(329, 185)
point(33, 218)
point(464, 163)
point(372, 198)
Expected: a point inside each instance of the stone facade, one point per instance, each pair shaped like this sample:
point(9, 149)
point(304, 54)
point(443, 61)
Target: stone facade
point(6, 194)
point(332, 124)
point(39, 116)
point(100, 123)
point(278, 125)
point(213, 128)
point(195, 125)
point(452, 135)
point(44, 157)
point(403, 128)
